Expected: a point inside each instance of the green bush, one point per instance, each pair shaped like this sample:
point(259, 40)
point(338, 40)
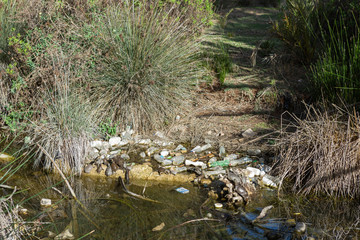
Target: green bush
point(296, 29)
point(146, 61)
point(337, 72)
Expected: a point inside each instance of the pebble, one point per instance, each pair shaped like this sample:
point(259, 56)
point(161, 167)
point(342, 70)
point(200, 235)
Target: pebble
point(125, 156)
point(218, 205)
point(114, 141)
point(177, 160)
point(159, 158)
point(164, 153)
point(88, 168)
point(167, 162)
point(142, 154)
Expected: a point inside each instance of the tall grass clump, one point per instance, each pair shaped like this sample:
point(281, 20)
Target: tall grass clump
point(337, 72)
point(66, 123)
point(323, 154)
point(147, 61)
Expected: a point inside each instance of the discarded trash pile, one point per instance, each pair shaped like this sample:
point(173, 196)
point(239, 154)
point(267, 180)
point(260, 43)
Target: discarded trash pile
point(231, 178)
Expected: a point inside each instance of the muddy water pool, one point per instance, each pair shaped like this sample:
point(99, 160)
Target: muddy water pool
point(112, 214)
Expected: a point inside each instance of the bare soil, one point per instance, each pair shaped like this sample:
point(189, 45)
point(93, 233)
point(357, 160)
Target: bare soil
point(252, 95)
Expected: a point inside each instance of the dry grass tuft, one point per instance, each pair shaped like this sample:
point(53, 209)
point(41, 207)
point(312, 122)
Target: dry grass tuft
point(11, 224)
point(322, 155)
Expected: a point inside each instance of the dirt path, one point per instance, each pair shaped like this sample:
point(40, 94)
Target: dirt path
point(252, 95)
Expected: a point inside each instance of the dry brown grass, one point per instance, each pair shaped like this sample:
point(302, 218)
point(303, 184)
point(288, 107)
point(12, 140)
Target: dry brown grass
point(322, 155)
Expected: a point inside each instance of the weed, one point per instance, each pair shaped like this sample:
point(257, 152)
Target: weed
point(108, 129)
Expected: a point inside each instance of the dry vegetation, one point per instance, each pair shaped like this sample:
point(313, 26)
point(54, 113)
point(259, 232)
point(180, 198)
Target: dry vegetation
point(323, 153)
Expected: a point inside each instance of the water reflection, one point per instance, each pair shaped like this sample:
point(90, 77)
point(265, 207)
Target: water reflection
point(115, 215)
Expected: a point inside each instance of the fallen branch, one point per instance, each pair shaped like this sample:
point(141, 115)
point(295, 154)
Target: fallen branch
point(122, 184)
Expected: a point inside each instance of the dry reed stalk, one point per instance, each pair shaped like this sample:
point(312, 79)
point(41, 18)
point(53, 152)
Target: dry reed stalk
point(322, 155)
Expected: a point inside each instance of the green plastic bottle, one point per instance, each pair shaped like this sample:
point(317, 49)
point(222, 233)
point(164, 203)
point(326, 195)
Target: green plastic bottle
point(223, 163)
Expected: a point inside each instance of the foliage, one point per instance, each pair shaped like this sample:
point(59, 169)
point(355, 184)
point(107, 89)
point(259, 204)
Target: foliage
point(296, 29)
point(145, 64)
point(108, 129)
point(337, 72)
point(217, 59)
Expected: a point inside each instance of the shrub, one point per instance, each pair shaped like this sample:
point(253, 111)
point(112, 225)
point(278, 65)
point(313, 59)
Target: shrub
point(322, 155)
point(146, 61)
point(337, 72)
point(296, 29)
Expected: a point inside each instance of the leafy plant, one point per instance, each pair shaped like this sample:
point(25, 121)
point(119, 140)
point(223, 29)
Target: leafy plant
point(108, 129)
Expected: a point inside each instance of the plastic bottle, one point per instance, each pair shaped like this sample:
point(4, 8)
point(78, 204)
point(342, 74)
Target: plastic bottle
point(223, 163)
point(240, 161)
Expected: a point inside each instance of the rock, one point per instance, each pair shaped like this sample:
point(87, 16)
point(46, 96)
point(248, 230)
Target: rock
point(45, 202)
point(180, 169)
point(88, 168)
point(150, 151)
point(142, 154)
point(177, 118)
point(96, 144)
point(159, 158)
point(145, 141)
point(164, 153)
point(93, 153)
point(123, 143)
point(167, 162)
point(64, 235)
point(196, 164)
point(108, 171)
point(249, 133)
point(115, 152)
point(114, 141)
point(125, 156)
point(300, 227)
point(177, 160)
point(254, 152)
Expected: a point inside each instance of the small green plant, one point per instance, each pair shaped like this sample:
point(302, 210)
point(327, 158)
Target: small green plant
point(14, 117)
point(108, 129)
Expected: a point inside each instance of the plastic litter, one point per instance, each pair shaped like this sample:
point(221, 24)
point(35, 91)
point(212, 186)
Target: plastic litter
point(223, 163)
point(182, 190)
point(240, 161)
